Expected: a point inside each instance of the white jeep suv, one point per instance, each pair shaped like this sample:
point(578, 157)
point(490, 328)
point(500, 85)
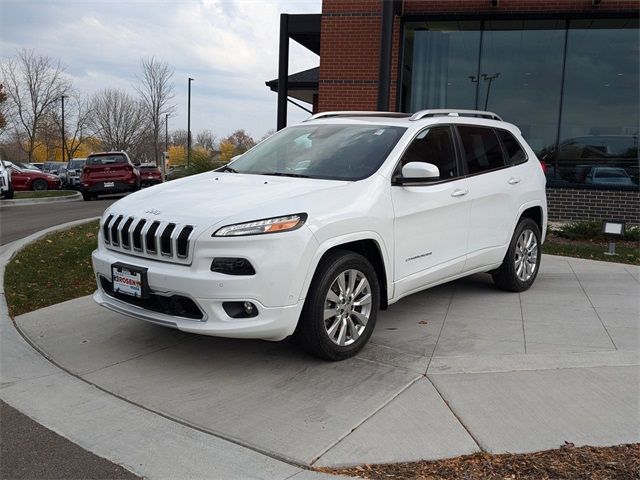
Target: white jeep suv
point(315, 229)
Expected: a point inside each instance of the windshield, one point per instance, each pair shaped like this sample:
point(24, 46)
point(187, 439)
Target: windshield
point(106, 159)
point(76, 164)
point(336, 152)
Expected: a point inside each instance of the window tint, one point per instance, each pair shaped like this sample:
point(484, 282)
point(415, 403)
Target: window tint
point(435, 146)
point(481, 148)
point(515, 154)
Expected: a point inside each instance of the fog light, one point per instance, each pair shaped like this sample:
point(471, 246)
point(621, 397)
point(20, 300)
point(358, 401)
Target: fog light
point(240, 309)
point(248, 308)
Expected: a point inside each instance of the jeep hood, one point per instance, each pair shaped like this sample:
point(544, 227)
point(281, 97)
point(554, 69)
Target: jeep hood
point(209, 198)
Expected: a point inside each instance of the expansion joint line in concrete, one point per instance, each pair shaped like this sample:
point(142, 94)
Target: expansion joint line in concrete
point(444, 320)
point(353, 429)
point(466, 429)
point(615, 347)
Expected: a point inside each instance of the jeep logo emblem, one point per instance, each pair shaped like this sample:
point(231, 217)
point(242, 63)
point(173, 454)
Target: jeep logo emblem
point(153, 211)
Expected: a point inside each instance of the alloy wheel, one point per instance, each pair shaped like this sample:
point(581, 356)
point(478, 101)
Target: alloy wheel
point(347, 307)
point(526, 255)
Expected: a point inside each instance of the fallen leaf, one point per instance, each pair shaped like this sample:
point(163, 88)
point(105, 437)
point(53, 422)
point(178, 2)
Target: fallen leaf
point(423, 322)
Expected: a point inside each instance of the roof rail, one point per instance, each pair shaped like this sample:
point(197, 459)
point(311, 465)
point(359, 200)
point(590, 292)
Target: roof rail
point(454, 113)
point(356, 113)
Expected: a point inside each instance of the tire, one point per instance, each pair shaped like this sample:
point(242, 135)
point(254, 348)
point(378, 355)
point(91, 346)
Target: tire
point(39, 185)
point(518, 270)
point(333, 338)
point(87, 197)
point(8, 195)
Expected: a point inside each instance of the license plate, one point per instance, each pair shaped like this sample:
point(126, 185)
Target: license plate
point(108, 184)
point(129, 280)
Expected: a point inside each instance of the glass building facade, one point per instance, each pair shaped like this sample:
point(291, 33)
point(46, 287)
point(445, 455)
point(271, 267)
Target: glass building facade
point(570, 85)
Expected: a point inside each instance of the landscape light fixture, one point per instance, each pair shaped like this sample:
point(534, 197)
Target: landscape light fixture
point(613, 229)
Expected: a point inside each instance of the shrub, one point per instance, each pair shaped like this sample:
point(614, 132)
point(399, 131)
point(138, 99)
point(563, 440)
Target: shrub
point(591, 230)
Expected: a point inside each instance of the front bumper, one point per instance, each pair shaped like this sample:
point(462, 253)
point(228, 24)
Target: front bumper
point(275, 288)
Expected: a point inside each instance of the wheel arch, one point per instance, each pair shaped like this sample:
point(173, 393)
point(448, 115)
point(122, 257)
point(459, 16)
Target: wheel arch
point(537, 213)
point(370, 246)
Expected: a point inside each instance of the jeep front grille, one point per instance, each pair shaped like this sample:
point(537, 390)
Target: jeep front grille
point(164, 241)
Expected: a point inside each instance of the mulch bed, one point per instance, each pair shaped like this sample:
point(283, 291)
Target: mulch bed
point(597, 463)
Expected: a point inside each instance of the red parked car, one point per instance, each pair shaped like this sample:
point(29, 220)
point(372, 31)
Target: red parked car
point(150, 174)
point(26, 179)
point(108, 172)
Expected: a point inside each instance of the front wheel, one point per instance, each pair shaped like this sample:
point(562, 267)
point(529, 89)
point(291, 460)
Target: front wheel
point(522, 261)
point(39, 185)
point(341, 308)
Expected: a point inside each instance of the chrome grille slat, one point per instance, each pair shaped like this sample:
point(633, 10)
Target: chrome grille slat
point(146, 237)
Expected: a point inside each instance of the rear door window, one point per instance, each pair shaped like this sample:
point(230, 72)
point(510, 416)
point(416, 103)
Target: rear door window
point(482, 150)
point(513, 149)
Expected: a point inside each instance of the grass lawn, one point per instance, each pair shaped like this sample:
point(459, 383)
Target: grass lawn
point(627, 251)
point(52, 270)
point(43, 194)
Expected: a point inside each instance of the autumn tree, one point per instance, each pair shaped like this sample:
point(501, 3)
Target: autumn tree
point(156, 91)
point(267, 134)
point(117, 119)
point(34, 84)
point(241, 141)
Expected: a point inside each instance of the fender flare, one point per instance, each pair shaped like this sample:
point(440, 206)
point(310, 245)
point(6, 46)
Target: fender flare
point(333, 242)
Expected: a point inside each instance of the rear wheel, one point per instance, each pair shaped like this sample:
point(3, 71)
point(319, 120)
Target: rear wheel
point(522, 261)
point(39, 184)
point(341, 308)
point(8, 195)
point(86, 196)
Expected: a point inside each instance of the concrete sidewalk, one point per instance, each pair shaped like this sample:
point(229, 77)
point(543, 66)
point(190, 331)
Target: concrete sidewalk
point(449, 371)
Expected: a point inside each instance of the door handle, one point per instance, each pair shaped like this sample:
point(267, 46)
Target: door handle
point(459, 193)
point(513, 180)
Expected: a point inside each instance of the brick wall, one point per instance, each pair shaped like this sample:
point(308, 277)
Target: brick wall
point(582, 204)
point(350, 46)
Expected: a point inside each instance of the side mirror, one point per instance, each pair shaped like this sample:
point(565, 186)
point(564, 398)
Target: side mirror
point(416, 172)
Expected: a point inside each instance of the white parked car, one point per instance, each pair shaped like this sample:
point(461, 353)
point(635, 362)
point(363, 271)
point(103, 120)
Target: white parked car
point(315, 229)
point(6, 187)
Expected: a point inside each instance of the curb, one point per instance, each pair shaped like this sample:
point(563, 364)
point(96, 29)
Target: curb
point(39, 201)
point(110, 426)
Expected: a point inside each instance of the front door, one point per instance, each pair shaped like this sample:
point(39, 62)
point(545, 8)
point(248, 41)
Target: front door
point(431, 219)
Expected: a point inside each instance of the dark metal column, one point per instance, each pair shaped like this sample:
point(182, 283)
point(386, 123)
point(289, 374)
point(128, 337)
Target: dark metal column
point(64, 141)
point(283, 71)
point(386, 40)
point(189, 123)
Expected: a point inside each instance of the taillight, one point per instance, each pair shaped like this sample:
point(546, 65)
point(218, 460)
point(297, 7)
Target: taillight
point(544, 166)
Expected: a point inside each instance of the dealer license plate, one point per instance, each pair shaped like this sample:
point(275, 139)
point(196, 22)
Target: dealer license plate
point(129, 280)
point(108, 184)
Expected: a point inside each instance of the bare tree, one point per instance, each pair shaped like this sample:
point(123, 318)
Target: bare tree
point(156, 90)
point(34, 83)
point(3, 109)
point(179, 138)
point(77, 116)
point(117, 119)
point(267, 134)
point(207, 140)
point(241, 141)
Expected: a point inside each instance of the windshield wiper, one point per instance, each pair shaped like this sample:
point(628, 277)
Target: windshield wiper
point(227, 168)
point(282, 174)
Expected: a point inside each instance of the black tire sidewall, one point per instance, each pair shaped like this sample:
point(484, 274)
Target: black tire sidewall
point(313, 312)
point(39, 181)
point(510, 271)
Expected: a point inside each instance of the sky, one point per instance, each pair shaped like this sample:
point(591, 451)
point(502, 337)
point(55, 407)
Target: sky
point(229, 47)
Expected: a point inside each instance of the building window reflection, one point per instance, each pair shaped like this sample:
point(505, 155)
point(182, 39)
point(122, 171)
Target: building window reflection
point(570, 85)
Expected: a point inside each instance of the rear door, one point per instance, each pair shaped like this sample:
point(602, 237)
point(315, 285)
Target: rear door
point(494, 183)
point(431, 219)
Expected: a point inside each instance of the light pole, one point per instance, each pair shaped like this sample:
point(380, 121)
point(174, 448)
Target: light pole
point(490, 79)
point(189, 124)
point(166, 144)
point(63, 139)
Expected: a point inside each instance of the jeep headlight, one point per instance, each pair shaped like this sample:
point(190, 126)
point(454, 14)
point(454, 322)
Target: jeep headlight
point(265, 225)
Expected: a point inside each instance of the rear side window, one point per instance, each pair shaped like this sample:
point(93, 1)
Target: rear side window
point(482, 149)
point(106, 159)
point(434, 146)
point(515, 154)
